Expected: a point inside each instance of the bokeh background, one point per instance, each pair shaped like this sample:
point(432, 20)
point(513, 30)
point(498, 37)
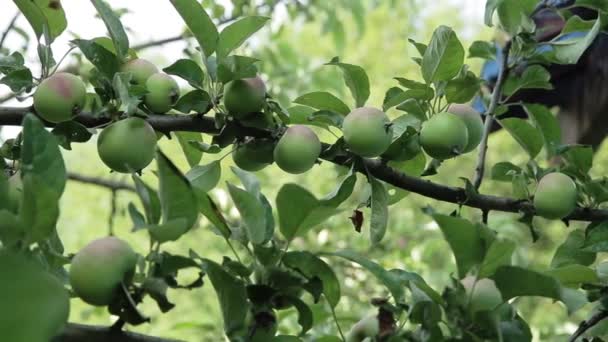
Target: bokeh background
point(293, 49)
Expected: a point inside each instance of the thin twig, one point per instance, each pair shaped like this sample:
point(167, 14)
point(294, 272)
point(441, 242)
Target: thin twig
point(588, 324)
point(489, 116)
point(112, 185)
point(79, 332)
point(9, 28)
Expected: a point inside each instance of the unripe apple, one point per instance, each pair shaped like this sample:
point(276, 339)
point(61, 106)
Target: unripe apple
point(367, 327)
point(99, 268)
point(245, 96)
point(485, 296)
point(367, 132)
point(60, 97)
point(472, 119)
point(297, 150)
point(444, 136)
point(15, 190)
point(141, 70)
point(127, 145)
point(35, 305)
point(162, 94)
point(253, 156)
point(555, 196)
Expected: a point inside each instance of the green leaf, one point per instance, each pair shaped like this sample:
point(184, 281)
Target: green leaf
point(482, 49)
point(69, 132)
point(40, 13)
point(39, 209)
point(188, 70)
point(323, 101)
point(572, 252)
point(305, 317)
point(100, 57)
point(169, 231)
point(326, 118)
point(41, 157)
point(312, 266)
point(149, 199)
point(465, 240)
point(120, 85)
point(396, 96)
point(462, 88)
point(499, 254)
point(444, 56)
point(379, 204)
point(252, 213)
point(411, 280)
point(574, 275)
point(294, 203)
point(505, 171)
point(578, 156)
point(232, 296)
point(356, 80)
point(11, 62)
point(193, 155)
point(212, 212)
point(18, 80)
point(569, 51)
point(235, 34)
point(596, 238)
point(114, 26)
point(389, 279)
point(236, 67)
point(534, 77)
point(513, 281)
point(205, 177)
point(525, 134)
point(197, 101)
point(199, 23)
point(342, 192)
point(514, 16)
point(177, 198)
point(542, 118)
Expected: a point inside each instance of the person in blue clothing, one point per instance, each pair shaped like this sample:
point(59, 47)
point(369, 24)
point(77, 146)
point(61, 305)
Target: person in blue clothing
point(579, 90)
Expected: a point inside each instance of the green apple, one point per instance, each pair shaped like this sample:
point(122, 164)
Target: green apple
point(366, 327)
point(485, 295)
point(35, 305)
point(555, 196)
point(472, 119)
point(141, 70)
point(367, 132)
point(444, 136)
point(99, 268)
point(297, 150)
point(60, 97)
point(127, 145)
point(245, 96)
point(254, 155)
point(163, 93)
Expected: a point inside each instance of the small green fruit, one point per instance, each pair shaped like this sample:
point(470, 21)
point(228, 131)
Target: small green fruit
point(485, 296)
point(35, 305)
point(128, 145)
point(162, 94)
point(98, 269)
point(444, 136)
point(367, 132)
point(367, 327)
point(297, 150)
point(60, 97)
point(555, 196)
point(245, 96)
point(141, 70)
point(472, 119)
point(253, 156)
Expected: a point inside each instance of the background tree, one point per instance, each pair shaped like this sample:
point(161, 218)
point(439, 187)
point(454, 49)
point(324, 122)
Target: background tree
point(258, 281)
